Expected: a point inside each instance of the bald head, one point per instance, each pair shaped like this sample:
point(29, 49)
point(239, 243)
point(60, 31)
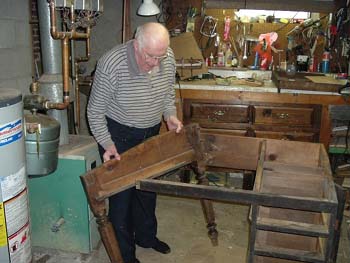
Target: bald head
point(151, 35)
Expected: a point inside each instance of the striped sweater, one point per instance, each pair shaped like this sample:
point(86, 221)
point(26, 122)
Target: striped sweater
point(123, 93)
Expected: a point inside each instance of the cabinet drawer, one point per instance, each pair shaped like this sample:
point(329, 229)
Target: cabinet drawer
point(290, 136)
point(219, 113)
point(283, 115)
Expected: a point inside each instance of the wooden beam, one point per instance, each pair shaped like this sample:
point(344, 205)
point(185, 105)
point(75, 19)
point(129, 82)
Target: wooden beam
point(236, 195)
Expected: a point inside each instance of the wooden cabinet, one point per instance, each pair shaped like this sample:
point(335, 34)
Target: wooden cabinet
point(266, 120)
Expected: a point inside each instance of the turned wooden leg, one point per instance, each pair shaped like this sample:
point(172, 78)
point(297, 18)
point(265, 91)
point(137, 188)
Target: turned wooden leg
point(208, 211)
point(109, 239)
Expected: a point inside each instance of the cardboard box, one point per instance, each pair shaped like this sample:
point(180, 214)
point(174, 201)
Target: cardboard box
point(187, 55)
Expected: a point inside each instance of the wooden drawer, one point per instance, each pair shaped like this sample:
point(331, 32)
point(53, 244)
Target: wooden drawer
point(290, 116)
point(219, 113)
point(290, 136)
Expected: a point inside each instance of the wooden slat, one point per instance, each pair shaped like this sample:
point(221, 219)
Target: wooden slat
point(292, 227)
point(291, 254)
point(235, 195)
point(288, 168)
point(326, 6)
point(290, 175)
point(225, 4)
point(292, 188)
point(293, 215)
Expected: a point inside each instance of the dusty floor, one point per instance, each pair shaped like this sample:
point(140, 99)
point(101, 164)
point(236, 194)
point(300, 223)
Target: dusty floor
point(181, 225)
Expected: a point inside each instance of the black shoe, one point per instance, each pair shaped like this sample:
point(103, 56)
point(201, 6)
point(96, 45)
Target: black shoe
point(161, 247)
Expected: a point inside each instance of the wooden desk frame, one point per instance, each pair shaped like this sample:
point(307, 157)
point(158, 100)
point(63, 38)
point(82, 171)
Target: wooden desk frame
point(169, 151)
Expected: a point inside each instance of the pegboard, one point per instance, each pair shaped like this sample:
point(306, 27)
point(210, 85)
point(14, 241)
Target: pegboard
point(177, 18)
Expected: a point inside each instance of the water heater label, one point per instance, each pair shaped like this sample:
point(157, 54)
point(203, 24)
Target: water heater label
point(19, 246)
point(16, 213)
point(13, 184)
point(10, 132)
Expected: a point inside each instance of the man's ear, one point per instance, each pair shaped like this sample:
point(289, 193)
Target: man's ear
point(136, 45)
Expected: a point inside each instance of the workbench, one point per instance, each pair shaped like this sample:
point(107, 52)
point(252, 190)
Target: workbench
point(265, 112)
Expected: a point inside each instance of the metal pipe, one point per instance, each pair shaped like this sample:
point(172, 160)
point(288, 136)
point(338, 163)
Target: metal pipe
point(65, 75)
point(50, 48)
point(65, 36)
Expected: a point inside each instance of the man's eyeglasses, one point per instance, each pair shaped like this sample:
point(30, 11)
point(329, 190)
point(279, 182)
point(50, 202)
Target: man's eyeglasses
point(159, 58)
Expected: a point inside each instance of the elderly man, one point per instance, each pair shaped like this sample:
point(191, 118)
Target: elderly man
point(133, 89)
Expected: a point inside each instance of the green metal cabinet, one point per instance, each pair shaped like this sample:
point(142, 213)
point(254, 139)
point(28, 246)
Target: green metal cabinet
point(60, 215)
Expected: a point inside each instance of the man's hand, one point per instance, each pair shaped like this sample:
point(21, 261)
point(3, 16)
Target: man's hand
point(111, 151)
point(173, 123)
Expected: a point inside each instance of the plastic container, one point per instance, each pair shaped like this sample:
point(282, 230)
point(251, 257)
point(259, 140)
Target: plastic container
point(325, 62)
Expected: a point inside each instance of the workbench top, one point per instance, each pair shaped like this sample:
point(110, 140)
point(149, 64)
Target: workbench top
point(269, 87)
point(206, 84)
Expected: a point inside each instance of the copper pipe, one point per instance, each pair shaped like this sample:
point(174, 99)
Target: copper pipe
point(77, 96)
point(87, 48)
point(126, 21)
point(76, 73)
point(85, 82)
point(61, 35)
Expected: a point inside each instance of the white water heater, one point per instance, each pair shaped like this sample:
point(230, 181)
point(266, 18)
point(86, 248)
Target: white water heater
point(15, 244)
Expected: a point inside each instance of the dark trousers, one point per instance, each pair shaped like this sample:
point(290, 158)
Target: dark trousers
point(132, 212)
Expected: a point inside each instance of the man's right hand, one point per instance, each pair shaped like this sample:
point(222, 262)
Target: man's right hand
point(111, 151)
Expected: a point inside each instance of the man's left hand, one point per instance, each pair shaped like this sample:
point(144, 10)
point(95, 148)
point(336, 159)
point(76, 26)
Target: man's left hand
point(173, 123)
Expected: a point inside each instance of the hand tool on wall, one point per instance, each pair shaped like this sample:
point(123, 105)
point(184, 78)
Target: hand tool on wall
point(208, 27)
point(264, 48)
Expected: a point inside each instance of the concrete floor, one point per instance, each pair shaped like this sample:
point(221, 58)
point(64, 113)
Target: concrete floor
point(182, 226)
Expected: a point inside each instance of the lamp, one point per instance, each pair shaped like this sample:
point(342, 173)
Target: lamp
point(148, 8)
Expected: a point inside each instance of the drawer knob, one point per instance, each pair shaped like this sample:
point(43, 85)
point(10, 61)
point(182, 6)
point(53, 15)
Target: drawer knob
point(283, 116)
point(219, 113)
